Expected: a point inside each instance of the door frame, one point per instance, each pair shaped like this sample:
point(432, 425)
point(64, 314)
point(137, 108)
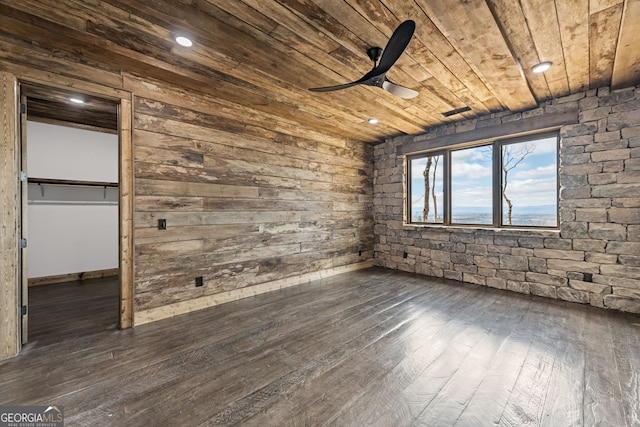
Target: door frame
point(12, 282)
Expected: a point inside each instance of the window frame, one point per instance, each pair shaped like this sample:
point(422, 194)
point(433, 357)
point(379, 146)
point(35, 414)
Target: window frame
point(497, 145)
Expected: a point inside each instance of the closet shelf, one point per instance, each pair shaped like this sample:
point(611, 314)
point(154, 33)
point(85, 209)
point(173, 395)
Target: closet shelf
point(51, 181)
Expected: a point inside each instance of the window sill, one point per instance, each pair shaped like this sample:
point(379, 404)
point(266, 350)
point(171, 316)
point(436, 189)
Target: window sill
point(523, 231)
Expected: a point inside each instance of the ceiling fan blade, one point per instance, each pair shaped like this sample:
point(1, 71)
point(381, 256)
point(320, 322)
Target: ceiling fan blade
point(337, 87)
point(397, 44)
point(399, 91)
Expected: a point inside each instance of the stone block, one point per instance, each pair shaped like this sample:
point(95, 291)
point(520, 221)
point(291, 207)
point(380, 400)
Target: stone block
point(572, 149)
point(588, 103)
point(613, 166)
point(585, 169)
point(628, 177)
point(537, 265)
point(487, 272)
point(517, 286)
point(602, 178)
point(607, 231)
point(604, 156)
point(461, 258)
point(579, 129)
point(623, 248)
point(594, 288)
point(543, 290)
point(591, 214)
point(499, 250)
point(623, 119)
point(555, 243)
point(559, 273)
point(577, 159)
point(609, 145)
point(462, 237)
point(628, 305)
point(632, 164)
point(597, 300)
point(476, 249)
point(633, 233)
point(625, 271)
point(570, 265)
point(594, 114)
point(464, 268)
point(435, 235)
point(616, 97)
point(624, 215)
point(631, 132)
point(509, 262)
point(441, 256)
point(574, 230)
point(576, 141)
point(559, 254)
point(486, 261)
point(585, 203)
point(511, 275)
point(630, 260)
point(629, 293)
point(453, 275)
point(574, 180)
point(599, 258)
point(474, 278)
point(627, 202)
point(589, 245)
point(511, 241)
point(617, 281)
point(495, 282)
point(606, 141)
point(616, 190)
point(526, 252)
point(531, 242)
point(573, 295)
point(546, 279)
point(532, 113)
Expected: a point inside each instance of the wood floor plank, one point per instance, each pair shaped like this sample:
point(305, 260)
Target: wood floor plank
point(625, 336)
point(370, 347)
point(602, 395)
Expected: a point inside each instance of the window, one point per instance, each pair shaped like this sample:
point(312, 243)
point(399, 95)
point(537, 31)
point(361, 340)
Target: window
point(505, 183)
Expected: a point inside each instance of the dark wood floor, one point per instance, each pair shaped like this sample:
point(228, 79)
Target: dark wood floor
point(372, 347)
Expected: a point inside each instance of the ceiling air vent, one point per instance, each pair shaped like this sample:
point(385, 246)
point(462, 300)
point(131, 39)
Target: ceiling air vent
point(456, 111)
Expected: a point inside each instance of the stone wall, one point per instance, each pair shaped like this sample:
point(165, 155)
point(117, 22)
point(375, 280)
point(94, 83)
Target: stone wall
point(594, 257)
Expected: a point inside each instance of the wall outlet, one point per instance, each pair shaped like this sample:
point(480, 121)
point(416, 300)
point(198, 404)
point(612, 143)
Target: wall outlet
point(199, 281)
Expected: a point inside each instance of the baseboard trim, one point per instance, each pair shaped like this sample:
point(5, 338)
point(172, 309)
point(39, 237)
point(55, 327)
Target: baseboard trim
point(72, 277)
point(183, 307)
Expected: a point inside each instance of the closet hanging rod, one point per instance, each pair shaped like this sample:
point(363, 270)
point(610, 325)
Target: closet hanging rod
point(51, 181)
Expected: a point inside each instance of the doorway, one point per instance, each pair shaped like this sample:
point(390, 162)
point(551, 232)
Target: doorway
point(70, 216)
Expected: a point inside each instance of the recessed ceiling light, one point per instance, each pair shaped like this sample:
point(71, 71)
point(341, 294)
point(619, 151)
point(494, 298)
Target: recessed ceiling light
point(184, 41)
point(373, 121)
point(541, 67)
point(76, 100)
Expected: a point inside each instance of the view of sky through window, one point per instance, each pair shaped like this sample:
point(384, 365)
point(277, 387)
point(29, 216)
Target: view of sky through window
point(529, 171)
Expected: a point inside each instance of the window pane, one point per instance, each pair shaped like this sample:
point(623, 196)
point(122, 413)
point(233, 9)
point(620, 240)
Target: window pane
point(426, 189)
point(529, 183)
point(471, 186)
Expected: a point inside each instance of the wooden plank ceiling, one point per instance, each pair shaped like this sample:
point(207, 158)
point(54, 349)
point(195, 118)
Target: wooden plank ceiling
point(265, 54)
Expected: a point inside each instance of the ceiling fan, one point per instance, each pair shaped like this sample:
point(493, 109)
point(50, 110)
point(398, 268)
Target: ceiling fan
point(377, 76)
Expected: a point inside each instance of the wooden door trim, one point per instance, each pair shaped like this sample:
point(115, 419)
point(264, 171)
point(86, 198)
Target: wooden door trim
point(10, 337)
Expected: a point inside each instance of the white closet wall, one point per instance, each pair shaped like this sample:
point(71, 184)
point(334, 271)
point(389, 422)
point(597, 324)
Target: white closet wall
point(71, 229)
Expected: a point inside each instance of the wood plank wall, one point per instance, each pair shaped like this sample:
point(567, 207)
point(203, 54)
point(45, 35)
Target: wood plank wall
point(246, 201)
point(251, 198)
